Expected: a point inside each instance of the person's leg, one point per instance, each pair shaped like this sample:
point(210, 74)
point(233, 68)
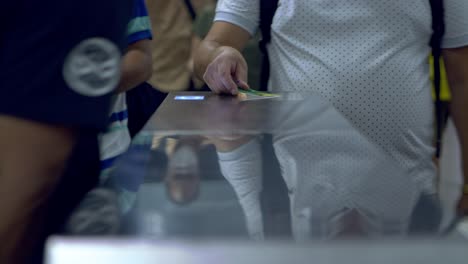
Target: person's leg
point(32, 158)
point(91, 206)
point(80, 176)
point(142, 102)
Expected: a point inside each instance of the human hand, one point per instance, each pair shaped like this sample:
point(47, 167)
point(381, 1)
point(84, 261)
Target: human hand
point(227, 71)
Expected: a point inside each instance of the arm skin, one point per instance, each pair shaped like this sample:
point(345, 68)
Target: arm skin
point(218, 59)
point(136, 65)
point(456, 62)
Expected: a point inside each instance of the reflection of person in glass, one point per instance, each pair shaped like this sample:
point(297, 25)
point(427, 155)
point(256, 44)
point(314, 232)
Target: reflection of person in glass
point(340, 183)
point(183, 174)
point(240, 163)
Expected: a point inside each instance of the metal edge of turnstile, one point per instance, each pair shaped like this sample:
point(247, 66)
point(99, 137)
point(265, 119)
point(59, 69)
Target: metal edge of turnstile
point(119, 251)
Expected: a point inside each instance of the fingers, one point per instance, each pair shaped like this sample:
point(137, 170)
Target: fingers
point(243, 85)
point(240, 76)
point(214, 83)
point(218, 78)
point(228, 82)
point(226, 73)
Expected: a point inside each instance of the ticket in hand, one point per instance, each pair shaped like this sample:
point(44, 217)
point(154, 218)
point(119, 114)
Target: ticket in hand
point(250, 94)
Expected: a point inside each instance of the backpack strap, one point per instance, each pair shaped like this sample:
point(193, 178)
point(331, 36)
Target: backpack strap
point(267, 12)
point(190, 9)
point(438, 30)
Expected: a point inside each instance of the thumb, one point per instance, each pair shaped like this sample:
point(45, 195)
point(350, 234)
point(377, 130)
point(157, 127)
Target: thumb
point(243, 85)
point(240, 76)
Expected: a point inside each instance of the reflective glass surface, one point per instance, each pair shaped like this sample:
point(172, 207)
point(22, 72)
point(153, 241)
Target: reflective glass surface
point(291, 168)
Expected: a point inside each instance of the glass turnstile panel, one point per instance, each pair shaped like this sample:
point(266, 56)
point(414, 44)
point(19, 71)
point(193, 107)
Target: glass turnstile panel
point(295, 169)
point(290, 167)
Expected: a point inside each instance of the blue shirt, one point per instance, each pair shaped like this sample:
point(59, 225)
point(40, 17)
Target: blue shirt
point(116, 139)
point(139, 27)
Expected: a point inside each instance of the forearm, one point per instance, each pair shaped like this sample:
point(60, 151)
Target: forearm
point(136, 67)
point(242, 168)
point(222, 34)
point(204, 55)
point(456, 61)
point(459, 112)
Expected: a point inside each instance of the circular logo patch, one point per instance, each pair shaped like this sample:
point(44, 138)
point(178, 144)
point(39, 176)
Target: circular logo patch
point(92, 68)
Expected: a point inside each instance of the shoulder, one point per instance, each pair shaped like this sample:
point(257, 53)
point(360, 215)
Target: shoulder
point(456, 22)
point(139, 27)
point(243, 13)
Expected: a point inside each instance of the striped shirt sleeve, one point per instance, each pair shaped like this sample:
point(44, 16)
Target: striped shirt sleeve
point(139, 27)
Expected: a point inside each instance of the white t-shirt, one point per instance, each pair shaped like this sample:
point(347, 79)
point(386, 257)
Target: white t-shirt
point(331, 171)
point(369, 58)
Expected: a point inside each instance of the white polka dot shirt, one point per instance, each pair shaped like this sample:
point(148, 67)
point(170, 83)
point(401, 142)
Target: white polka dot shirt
point(366, 57)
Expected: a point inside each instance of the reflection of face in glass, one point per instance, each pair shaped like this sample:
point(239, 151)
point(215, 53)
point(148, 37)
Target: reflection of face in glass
point(183, 175)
